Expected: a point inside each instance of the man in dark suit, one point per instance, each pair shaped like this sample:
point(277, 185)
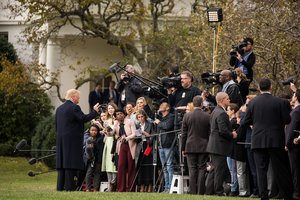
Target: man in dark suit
point(111, 94)
point(220, 141)
point(195, 134)
point(269, 115)
point(292, 137)
point(96, 96)
point(69, 121)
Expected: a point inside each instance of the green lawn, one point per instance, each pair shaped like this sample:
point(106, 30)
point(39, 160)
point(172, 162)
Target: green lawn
point(16, 184)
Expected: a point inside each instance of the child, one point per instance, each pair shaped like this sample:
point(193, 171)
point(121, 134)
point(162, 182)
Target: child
point(93, 154)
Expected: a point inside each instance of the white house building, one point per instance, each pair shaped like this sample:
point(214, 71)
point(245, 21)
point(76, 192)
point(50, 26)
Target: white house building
point(66, 53)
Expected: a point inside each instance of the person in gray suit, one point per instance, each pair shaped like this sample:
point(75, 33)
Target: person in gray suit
point(220, 141)
point(195, 134)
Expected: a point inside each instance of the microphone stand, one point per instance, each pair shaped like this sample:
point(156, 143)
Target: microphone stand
point(34, 160)
point(35, 150)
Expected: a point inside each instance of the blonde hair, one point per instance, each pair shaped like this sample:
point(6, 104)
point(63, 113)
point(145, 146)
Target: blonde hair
point(240, 73)
point(251, 96)
point(144, 101)
point(71, 93)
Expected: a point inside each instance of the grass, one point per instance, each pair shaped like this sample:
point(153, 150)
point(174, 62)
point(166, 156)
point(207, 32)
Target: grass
point(16, 184)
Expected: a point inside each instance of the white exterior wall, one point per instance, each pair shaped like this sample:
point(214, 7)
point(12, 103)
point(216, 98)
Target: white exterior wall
point(61, 54)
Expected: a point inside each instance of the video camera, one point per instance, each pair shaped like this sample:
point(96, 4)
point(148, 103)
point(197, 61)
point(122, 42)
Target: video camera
point(171, 81)
point(210, 78)
point(166, 82)
point(238, 48)
point(288, 81)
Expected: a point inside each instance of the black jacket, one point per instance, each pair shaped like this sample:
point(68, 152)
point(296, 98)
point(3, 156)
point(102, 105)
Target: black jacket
point(133, 90)
point(94, 99)
point(195, 131)
point(293, 125)
point(248, 64)
point(183, 96)
point(268, 115)
point(220, 139)
point(166, 124)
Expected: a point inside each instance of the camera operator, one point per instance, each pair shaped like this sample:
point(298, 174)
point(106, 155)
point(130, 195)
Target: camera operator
point(129, 87)
point(185, 94)
point(243, 57)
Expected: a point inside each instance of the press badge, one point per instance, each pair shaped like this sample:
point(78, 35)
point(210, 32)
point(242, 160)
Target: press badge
point(183, 95)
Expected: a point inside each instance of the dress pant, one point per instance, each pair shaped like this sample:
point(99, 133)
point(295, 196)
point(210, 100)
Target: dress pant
point(66, 179)
point(220, 169)
point(126, 170)
point(197, 168)
point(280, 164)
point(253, 172)
point(294, 156)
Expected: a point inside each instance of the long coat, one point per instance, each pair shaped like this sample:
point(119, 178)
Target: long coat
point(130, 129)
point(220, 139)
point(69, 135)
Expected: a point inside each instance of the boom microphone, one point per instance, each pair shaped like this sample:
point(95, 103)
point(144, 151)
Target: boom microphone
point(34, 160)
point(114, 68)
point(20, 145)
point(32, 174)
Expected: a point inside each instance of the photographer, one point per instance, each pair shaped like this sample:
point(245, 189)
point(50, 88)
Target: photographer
point(243, 57)
point(129, 87)
point(185, 94)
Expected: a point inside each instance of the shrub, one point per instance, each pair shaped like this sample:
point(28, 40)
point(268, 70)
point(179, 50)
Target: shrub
point(44, 138)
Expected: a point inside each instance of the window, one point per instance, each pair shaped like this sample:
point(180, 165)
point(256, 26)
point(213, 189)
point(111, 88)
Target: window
point(4, 35)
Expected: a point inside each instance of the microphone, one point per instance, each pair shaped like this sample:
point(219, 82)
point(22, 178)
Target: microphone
point(34, 160)
point(114, 68)
point(32, 174)
point(20, 145)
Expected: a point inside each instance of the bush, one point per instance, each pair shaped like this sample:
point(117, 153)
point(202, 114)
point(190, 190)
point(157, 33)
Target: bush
point(44, 138)
point(23, 103)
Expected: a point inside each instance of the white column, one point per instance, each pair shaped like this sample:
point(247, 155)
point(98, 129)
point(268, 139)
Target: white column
point(53, 55)
point(42, 54)
point(53, 63)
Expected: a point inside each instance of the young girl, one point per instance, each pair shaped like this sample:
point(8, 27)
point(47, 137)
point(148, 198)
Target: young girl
point(93, 156)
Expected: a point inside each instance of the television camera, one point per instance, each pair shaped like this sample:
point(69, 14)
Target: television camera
point(238, 48)
point(210, 78)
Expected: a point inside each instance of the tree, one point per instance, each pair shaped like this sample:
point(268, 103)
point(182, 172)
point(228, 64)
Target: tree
point(22, 105)
point(93, 18)
point(273, 24)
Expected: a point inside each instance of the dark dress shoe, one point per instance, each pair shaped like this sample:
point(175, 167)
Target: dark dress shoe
point(233, 194)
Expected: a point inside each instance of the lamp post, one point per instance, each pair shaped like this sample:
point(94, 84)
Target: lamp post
point(215, 17)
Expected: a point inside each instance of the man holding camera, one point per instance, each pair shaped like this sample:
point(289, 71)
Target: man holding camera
point(129, 87)
point(182, 96)
point(243, 57)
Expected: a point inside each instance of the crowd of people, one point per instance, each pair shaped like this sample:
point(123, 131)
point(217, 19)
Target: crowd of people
point(244, 145)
